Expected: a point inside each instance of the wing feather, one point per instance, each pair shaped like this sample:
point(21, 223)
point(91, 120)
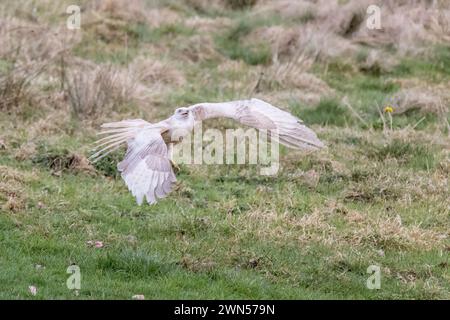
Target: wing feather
point(261, 115)
point(146, 168)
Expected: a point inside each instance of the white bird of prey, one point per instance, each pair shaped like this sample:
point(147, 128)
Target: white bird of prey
point(147, 167)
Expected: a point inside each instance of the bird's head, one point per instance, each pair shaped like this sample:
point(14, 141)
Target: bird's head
point(182, 113)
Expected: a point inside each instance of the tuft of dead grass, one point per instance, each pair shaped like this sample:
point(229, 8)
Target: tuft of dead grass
point(196, 264)
point(25, 151)
point(283, 41)
point(162, 16)
point(322, 162)
point(114, 21)
point(198, 48)
point(61, 161)
point(131, 10)
point(208, 25)
point(15, 86)
point(205, 6)
point(94, 92)
point(376, 62)
point(385, 232)
point(294, 76)
point(31, 56)
point(288, 81)
point(314, 41)
point(12, 195)
point(298, 10)
point(332, 30)
point(154, 72)
point(429, 99)
point(40, 12)
point(409, 27)
point(389, 232)
point(309, 178)
point(26, 42)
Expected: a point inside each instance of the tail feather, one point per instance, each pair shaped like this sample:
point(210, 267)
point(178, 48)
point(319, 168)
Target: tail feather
point(110, 143)
point(117, 133)
point(112, 131)
point(97, 156)
point(111, 138)
point(125, 123)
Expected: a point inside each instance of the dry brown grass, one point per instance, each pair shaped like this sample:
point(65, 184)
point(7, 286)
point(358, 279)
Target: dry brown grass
point(198, 48)
point(333, 30)
point(113, 20)
point(218, 5)
point(27, 42)
point(131, 10)
point(205, 5)
point(409, 27)
point(288, 9)
point(387, 192)
point(362, 229)
point(12, 195)
point(208, 25)
point(34, 11)
point(433, 99)
point(103, 89)
point(46, 61)
point(197, 265)
point(312, 40)
point(31, 54)
point(279, 82)
point(377, 62)
point(294, 76)
point(389, 232)
point(25, 151)
point(55, 123)
point(341, 207)
point(74, 163)
point(15, 87)
point(154, 72)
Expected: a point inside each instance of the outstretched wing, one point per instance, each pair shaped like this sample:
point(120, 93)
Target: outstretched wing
point(146, 169)
point(261, 115)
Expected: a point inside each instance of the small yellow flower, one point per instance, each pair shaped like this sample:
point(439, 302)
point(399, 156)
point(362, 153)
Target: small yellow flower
point(388, 109)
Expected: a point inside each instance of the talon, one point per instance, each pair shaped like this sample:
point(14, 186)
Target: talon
point(175, 167)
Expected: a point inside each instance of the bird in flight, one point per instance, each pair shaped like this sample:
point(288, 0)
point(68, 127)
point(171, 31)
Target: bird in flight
point(147, 168)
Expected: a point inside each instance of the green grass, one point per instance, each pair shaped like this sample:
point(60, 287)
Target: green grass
point(232, 46)
point(435, 68)
point(416, 156)
point(368, 93)
point(145, 34)
point(375, 196)
point(232, 42)
point(327, 112)
point(202, 242)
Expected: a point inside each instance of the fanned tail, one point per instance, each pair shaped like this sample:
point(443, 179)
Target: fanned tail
point(117, 133)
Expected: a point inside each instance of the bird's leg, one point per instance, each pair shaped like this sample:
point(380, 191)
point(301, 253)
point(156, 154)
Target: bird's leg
point(175, 167)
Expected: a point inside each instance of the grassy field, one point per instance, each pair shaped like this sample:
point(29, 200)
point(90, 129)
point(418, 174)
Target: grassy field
point(378, 195)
